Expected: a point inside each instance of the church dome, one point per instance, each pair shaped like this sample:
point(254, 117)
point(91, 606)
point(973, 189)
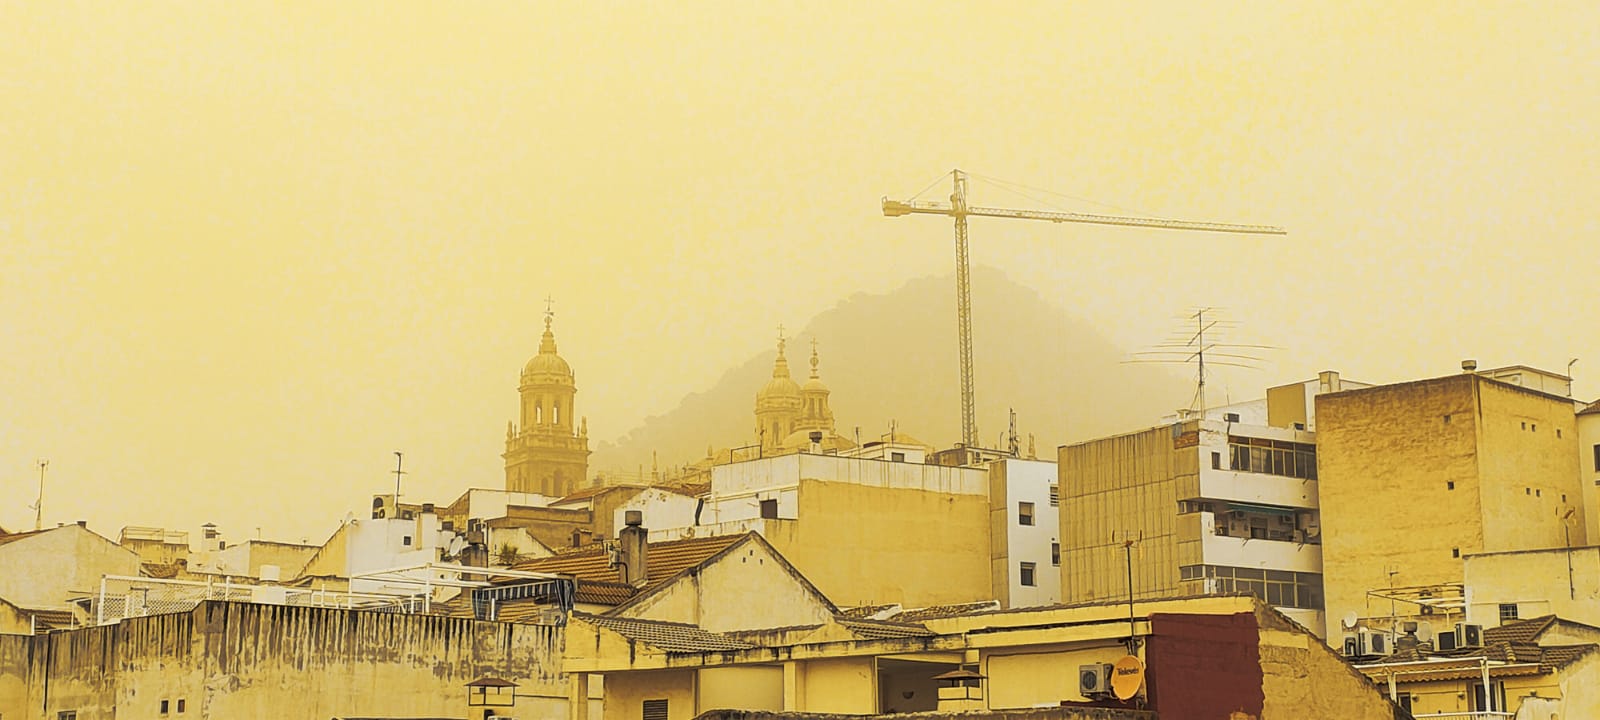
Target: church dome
point(781, 386)
point(547, 366)
point(832, 442)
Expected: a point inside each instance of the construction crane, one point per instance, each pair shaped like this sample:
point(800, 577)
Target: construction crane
point(959, 209)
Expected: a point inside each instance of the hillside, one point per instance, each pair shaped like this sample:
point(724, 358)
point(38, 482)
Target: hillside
point(892, 358)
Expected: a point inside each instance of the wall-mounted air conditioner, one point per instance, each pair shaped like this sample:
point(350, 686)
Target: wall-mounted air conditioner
point(1094, 679)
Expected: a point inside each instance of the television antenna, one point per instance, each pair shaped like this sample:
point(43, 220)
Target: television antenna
point(1200, 340)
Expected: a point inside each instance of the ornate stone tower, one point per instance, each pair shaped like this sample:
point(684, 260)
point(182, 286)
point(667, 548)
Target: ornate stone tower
point(778, 404)
point(814, 411)
point(547, 452)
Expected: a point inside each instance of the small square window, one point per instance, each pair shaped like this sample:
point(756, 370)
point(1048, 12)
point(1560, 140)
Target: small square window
point(1538, 493)
point(1025, 576)
point(1455, 552)
point(1508, 611)
point(164, 704)
point(1024, 513)
point(769, 509)
point(1447, 419)
point(1533, 428)
point(1524, 425)
point(1450, 485)
point(897, 457)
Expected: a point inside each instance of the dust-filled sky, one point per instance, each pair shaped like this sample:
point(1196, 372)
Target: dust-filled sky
point(248, 250)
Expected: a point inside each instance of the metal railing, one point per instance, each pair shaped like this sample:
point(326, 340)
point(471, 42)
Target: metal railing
point(1475, 715)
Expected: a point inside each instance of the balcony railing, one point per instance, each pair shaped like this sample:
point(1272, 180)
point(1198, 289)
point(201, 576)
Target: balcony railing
point(1476, 715)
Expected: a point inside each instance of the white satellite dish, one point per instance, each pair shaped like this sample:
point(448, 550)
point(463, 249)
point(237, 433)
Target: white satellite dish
point(1349, 620)
point(1425, 631)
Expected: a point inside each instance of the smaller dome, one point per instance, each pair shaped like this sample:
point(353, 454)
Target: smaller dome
point(547, 366)
point(781, 386)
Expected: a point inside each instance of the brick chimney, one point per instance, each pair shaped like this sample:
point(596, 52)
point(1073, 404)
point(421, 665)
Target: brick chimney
point(633, 550)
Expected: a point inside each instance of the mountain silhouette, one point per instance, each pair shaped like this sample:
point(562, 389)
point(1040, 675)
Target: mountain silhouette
point(892, 358)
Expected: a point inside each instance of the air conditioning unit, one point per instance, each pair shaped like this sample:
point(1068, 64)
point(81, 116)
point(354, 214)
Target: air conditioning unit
point(1286, 520)
point(1470, 636)
point(1377, 642)
point(1094, 679)
point(1352, 645)
point(1446, 641)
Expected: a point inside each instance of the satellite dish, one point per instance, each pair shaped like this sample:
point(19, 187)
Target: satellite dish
point(1127, 676)
point(1425, 631)
point(1349, 620)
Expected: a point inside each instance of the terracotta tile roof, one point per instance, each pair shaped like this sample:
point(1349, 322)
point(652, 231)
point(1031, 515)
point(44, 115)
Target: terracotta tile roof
point(1520, 631)
point(882, 630)
point(53, 619)
point(603, 593)
point(672, 637)
point(164, 571)
point(943, 611)
point(1560, 656)
point(866, 612)
point(664, 560)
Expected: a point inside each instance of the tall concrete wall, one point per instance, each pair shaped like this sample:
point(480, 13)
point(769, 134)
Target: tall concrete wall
point(236, 660)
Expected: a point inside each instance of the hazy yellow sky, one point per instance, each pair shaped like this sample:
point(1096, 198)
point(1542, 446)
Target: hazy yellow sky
point(247, 250)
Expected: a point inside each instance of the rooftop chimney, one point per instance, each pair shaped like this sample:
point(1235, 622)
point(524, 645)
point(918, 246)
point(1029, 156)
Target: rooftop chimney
point(816, 441)
point(633, 549)
point(1468, 366)
point(1328, 380)
point(83, 523)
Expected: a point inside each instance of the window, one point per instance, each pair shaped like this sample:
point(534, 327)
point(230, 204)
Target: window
point(1275, 587)
point(1558, 433)
point(1230, 417)
point(1055, 554)
point(897, 457)
point(1055, 496)
point(655, 710)
point(67, 715)
point(769, 509)
point(1497, 695)
point(1216, 461)
point(1025, 576)
point(180, 704)
point(1597, 458)
point(1455, 552)
point(406, 540)
point(1024, 513)
point(1404, 699)
point(1508, 611)
point(1447, 419)
point(164, 704)
point(1450, 485)
point(1276, 457)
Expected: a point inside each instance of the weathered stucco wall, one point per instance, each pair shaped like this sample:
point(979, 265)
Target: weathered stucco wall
point(864, 545)
point(626, 694)
point(1066, 713)
point(1415, 476)
point(237, 660)
point(44, 569)
point(747, 589)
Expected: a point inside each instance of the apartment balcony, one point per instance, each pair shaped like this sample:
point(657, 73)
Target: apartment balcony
point(1285, 550)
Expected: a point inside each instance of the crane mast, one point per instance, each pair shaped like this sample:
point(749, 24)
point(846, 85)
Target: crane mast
point(959, 210)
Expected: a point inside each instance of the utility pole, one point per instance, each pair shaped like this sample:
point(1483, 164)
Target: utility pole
point(38, 505)
point(1133, 634)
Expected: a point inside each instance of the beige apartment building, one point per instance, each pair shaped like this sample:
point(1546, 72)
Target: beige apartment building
point(1417, 476)
point(1222, 501)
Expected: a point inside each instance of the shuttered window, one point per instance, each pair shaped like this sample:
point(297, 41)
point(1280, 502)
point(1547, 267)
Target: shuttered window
point(655, 710)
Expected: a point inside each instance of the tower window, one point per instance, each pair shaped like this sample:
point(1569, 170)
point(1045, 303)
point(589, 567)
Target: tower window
point(555, 414)
point(1024, 513)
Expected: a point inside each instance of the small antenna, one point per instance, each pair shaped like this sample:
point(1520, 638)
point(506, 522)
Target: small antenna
point(1012, 441)
point(398, 459)
point(38, 505)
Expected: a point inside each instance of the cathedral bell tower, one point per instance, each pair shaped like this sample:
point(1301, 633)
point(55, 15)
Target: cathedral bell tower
point(547, 452)
point(778, 404)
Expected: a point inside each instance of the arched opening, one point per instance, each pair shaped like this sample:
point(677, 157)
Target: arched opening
point(538, 414)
